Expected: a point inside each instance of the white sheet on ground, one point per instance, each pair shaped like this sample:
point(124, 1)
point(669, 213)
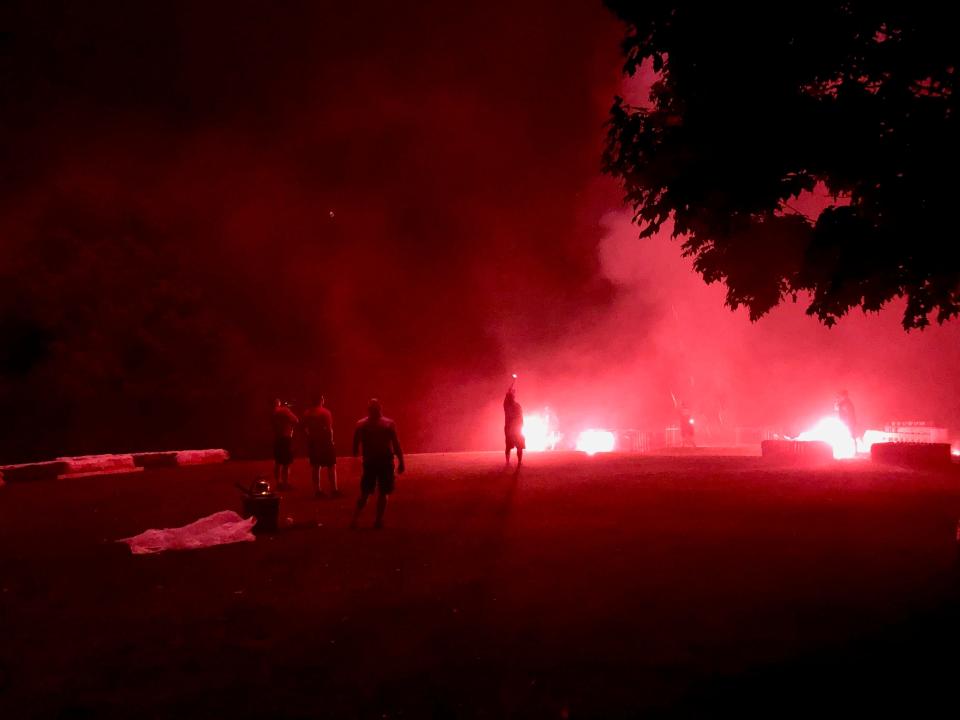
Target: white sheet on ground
point(97, 463)
point(221, 528)
point(202, 457)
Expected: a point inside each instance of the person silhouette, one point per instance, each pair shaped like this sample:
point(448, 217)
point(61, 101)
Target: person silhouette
point(513, 427)
point(317, 422)
point(284, 422)
point(846, 412)
point(376, 435)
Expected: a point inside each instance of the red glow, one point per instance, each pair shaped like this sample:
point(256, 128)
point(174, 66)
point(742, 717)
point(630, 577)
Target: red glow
point(594, 441)
point(832, 431)
point(538, 433)
point(871, 437)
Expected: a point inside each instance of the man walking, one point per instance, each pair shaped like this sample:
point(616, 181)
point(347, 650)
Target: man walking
point(377, 436)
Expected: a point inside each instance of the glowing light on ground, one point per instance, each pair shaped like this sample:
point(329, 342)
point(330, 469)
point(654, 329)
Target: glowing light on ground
point(596, 441)
point(955, 452)
point(872, 437)
point(538, 434)
point(832, 431)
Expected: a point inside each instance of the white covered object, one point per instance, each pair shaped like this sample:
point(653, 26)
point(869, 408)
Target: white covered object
point(221, 528)
point(97, 463)
point(202, 457)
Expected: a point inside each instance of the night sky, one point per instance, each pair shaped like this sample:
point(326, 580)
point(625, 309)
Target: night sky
point(206, 205)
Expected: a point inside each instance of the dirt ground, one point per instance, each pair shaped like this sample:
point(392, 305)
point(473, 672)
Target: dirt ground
point(695, 585)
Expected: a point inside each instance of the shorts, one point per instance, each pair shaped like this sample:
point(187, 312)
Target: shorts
point(322, 454)
point(377, 475)
point(515, 440)
point(283, 450)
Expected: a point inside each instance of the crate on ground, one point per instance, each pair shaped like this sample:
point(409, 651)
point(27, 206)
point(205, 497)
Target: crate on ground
point(916, 431)
point(800, 451)
point(912, 454)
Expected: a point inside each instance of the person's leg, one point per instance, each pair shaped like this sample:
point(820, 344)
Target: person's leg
point(506, 455)
point(285, 476)
point(385, 485)
point(519, 456)
point(368, 482)
point(381, 508)
point(276, 472)
point(332, 478)
point(361, 502)
point(315, 479)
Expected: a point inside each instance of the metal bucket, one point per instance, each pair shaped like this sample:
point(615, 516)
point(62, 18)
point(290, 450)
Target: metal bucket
point(266, 509)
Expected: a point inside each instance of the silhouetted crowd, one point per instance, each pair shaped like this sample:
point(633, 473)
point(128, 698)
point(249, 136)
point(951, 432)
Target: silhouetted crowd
point(374, 437)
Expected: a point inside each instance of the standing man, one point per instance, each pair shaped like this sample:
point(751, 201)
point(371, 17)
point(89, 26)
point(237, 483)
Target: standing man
point(284, 421)
point(318, 426)
point(846, 412)
point(378, 437)
point(513, 427)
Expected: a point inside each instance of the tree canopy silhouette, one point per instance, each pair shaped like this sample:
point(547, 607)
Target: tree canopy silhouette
point(753, 106)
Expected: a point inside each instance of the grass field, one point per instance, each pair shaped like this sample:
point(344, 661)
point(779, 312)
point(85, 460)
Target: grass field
point(613, 586)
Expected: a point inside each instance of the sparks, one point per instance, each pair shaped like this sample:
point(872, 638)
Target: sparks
point(538, 433)
point(596, 441)
point(832, 431)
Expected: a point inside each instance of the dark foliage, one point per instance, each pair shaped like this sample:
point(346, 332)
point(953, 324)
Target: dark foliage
point(753, 105)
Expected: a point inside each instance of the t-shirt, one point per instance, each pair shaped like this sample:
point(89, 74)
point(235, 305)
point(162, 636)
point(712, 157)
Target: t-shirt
point(378, 436)
point(512, 416)
point(318, 424)
point(284, 421)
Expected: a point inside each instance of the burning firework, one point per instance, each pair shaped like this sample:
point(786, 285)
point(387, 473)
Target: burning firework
point(538, 433)
point(832, 431)
point(594, 441)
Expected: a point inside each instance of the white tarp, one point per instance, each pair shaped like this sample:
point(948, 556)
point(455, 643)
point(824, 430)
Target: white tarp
point(202, 457)
point(97, 463)
point(221, 528)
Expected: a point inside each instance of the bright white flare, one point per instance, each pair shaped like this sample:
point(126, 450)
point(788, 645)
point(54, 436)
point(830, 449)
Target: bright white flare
point(594, 441)
point(832, 431)
point(872, 437)
point(538, 434)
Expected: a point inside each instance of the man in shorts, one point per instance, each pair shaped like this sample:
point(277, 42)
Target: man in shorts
point(284, 422)
point(318, 426)
point(377, 436)
point(513, 427)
